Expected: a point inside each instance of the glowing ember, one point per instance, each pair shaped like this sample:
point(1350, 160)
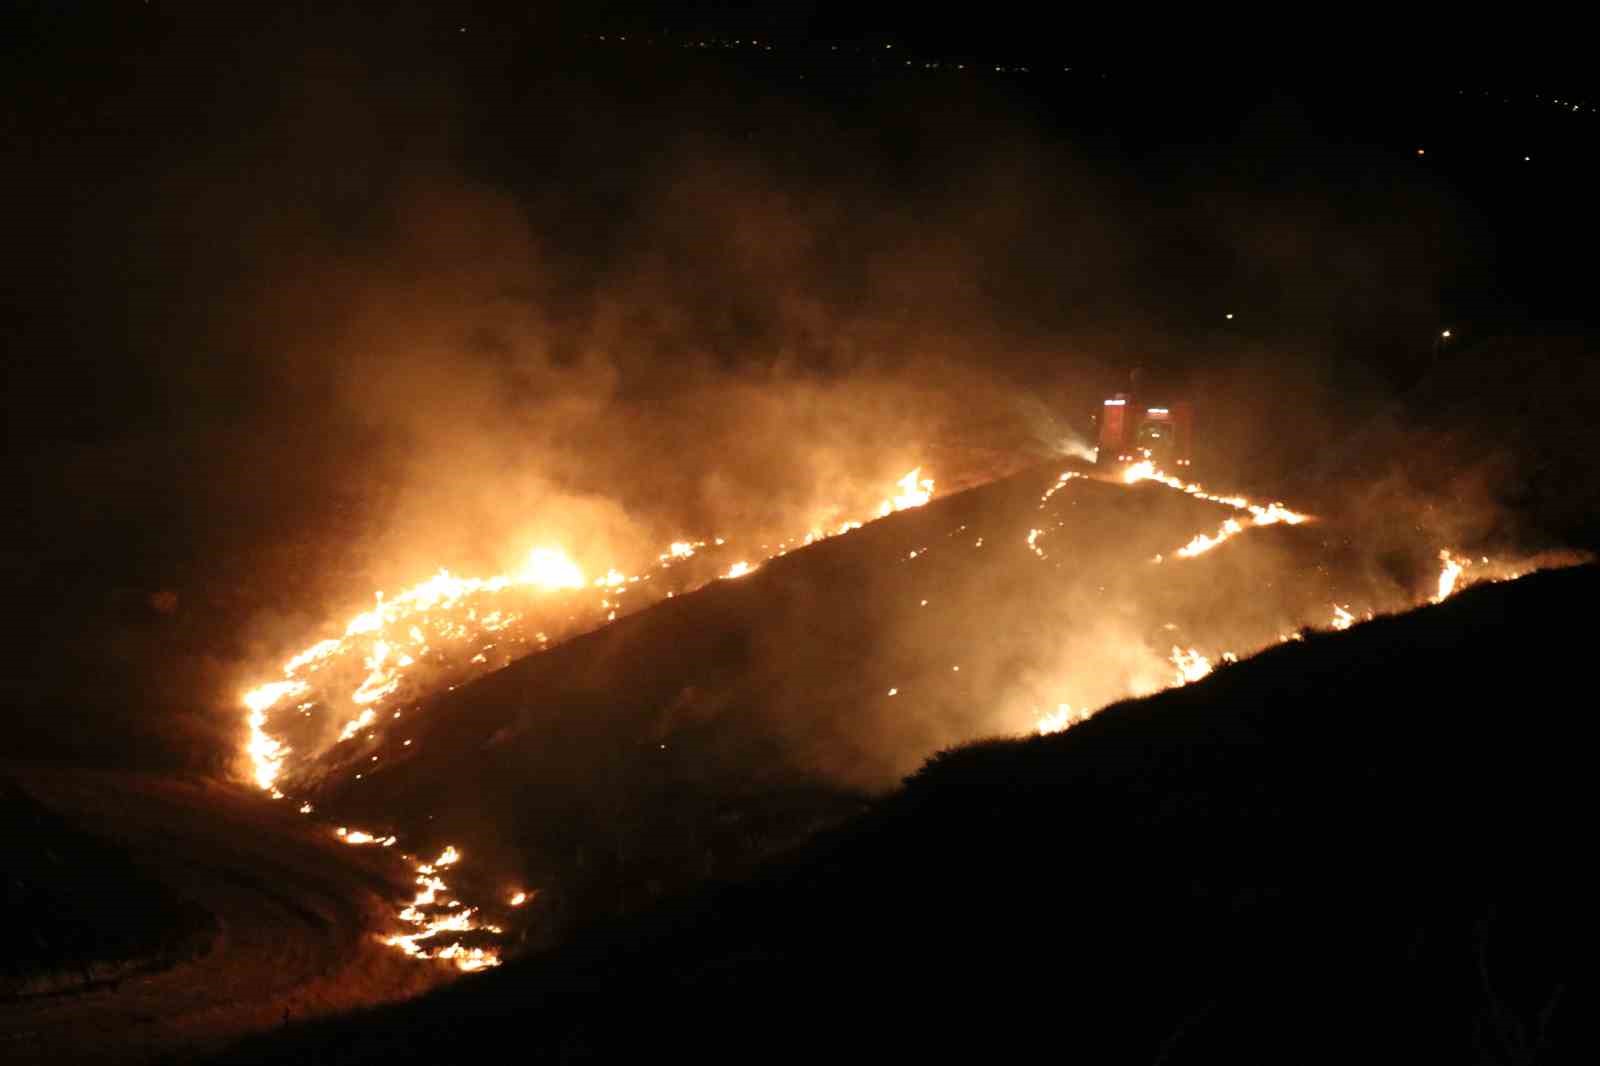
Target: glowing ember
point(1060, 484)
point(434, 624)
point(357, 836)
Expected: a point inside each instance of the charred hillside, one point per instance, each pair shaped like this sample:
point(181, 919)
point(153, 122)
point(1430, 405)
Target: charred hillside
point(690, 739)
point(1366, 840)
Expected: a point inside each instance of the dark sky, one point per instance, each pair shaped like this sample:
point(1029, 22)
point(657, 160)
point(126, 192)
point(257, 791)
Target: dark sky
point(167, 163)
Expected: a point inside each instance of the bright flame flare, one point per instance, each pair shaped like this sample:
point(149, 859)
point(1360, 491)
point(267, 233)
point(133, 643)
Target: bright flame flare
point(913, 493)
point(1449, 575)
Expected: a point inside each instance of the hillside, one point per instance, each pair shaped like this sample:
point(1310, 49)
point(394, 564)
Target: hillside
point(712, 729)
point(1368, 841)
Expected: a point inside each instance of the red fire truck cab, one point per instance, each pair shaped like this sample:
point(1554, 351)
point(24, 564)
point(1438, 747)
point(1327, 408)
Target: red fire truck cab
point(1132, 429)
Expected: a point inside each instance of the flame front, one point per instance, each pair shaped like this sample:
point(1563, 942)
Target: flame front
point(366, 674)
point(1260, 515)
point(430, 623)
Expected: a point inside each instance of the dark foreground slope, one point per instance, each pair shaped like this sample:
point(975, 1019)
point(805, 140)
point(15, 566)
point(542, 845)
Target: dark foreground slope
point(154, 920)
point(1365, 845)
point(91, 913)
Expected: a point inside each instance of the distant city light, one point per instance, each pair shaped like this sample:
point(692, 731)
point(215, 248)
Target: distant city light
point(1445, 334)
point(1228, 316)
point(1421, 152)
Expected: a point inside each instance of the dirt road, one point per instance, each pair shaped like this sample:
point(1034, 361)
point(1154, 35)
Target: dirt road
point(294, 913)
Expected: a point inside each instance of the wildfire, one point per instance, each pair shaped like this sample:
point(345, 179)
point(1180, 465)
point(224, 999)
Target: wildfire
point(390, 638)
point(363, 674)
point(1189, 665)
point(1059, 719)
point(440, 622)
point(267, 754)
point(1260, 514)
point(1449, 574)
point(455, 919)
point(913, 493)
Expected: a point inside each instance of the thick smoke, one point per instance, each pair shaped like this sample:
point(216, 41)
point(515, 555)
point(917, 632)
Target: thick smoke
point(381, 315)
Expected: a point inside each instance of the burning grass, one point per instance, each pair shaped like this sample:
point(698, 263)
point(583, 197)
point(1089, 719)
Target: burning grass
point(1031, 595)
point(1192, 846)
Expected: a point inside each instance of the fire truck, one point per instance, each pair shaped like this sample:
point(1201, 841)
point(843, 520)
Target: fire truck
point(1133, 429)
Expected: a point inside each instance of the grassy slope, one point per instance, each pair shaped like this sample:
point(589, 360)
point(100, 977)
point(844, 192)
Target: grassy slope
point(88, 912)
point(709, 731)
point(1369, 843)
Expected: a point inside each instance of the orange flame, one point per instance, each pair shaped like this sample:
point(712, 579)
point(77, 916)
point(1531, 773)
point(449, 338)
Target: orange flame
point(1449, 575)
point(394, 635)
